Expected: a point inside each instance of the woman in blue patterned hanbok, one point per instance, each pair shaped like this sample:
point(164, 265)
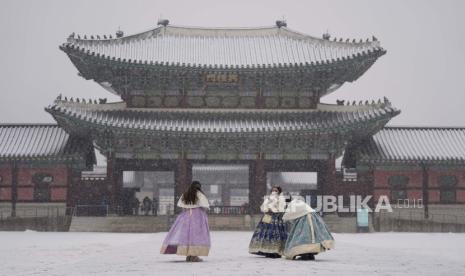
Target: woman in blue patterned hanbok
point(308, 234)
point(270, 234)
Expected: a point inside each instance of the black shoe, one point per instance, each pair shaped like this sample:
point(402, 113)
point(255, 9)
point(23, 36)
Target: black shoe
point(273, 255)
point(307, 257)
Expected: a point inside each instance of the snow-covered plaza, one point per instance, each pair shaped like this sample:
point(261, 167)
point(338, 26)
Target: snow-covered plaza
point(46, 253)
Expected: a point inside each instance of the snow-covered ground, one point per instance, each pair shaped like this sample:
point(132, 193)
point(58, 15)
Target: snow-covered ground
point(36, 253)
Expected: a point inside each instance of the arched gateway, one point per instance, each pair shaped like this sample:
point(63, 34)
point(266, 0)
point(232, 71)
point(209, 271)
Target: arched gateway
point(245, 96)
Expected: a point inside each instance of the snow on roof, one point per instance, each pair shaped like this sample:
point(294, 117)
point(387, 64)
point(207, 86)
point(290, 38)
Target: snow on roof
point(223, 46)
point(223, 120)
point(431, 144)
point(36, 141)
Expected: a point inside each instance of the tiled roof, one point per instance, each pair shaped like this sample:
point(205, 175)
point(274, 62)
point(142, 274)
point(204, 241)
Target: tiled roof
point(38, 141)
point(223, 47)
point(326, 118)
point(429, 144)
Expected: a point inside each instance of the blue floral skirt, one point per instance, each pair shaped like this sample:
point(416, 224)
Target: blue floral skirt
point(308, 234)
point(269, 238)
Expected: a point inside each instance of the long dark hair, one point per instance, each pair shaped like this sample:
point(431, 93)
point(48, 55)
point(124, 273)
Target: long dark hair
point(190, 195)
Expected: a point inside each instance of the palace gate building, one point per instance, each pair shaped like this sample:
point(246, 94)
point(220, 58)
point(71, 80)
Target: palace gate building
point(238, 109)
point(245, 96)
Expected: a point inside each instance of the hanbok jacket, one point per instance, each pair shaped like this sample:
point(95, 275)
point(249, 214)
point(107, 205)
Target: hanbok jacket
point(202, 201)
point(273, 204)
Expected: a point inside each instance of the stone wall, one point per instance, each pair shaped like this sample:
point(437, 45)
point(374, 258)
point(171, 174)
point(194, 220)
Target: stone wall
point(32, 209)
point(58, 187)
point(403, 225)
point(441, 218)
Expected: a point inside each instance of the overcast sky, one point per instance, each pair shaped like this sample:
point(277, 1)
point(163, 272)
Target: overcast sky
point(422, 73)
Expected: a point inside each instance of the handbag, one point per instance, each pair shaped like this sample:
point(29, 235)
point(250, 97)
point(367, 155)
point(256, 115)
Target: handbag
point(267, 219)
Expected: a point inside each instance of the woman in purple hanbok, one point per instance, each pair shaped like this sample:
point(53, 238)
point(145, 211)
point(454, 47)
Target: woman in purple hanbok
point(190, 236)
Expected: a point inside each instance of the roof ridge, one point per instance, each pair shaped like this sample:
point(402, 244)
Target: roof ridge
point(212, 31)
point(222, 28)
point(422, 127)
point(196, 47)
point(27, 124)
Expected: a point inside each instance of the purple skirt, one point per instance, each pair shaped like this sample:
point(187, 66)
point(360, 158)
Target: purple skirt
point(189, 235)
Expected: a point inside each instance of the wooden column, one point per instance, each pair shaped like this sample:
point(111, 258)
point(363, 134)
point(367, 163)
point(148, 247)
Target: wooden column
point(226, 194)
point(183, 178)
point(69, 188)
point(425, 186)
point(74, 187)
point(257, 184)
point(111, 181)
point(259, 100)
point(329, 187)
point(115, 179)
point(156, 196)
point(368, 185)
point(14, 188)
point(118, 188)
point(322, 178)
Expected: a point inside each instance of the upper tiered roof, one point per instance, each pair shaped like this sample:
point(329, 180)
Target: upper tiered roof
point(223, 47)
point(170, 58)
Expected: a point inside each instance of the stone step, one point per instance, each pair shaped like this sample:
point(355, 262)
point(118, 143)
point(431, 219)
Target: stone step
point(139, 224)
point(150, 224)
point(338, 224)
